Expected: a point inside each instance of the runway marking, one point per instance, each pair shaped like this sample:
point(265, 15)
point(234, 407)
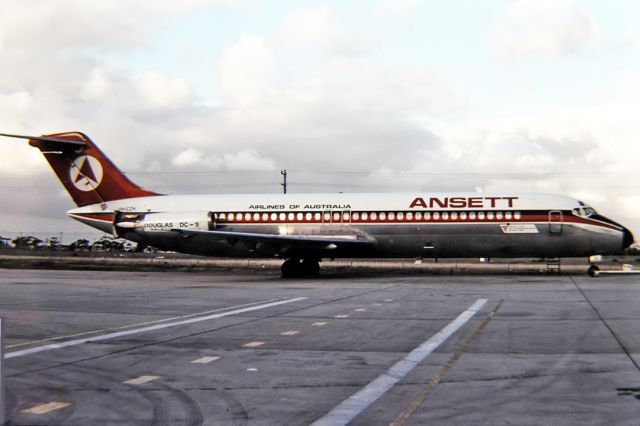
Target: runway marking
point(377, 304)
point(402, 418)
point(253, 344)
point(290, 333)
point(348, 409)
point(46, 408)
point(145, 329)
point(341, 316)
point(319, 323)
point(84, 333)
point(141, 380)
point(361, 310)
point(252, 370)
point(388, 300)
point(205, 360)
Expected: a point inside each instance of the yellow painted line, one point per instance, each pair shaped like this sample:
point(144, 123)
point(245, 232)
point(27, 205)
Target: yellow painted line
point(205, 360)
point(46, 408)
point(341, 316)
point(140, 380)
point(361, 310)
point(253, 344)
point(84, 333)
point(290, 333)
point(319, 323)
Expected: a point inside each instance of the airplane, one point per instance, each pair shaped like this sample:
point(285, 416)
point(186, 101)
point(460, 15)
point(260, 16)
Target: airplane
point(303, 229)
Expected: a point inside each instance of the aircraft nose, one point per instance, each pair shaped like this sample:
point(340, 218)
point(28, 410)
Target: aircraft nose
point(627, 238)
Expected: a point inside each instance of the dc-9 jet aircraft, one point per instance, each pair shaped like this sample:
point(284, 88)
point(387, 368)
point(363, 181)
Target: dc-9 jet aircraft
point(303, 229)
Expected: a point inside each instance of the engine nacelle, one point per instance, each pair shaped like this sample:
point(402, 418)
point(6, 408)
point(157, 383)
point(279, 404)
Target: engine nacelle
point(127, 223)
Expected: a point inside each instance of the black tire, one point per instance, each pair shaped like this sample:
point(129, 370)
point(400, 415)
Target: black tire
point(310, 267)
point(291, 268)
point(593, 271)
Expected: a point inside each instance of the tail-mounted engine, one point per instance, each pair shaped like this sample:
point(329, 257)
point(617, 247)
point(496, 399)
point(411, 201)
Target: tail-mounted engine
point(134, 225)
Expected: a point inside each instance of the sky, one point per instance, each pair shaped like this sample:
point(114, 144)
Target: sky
point(218, 96)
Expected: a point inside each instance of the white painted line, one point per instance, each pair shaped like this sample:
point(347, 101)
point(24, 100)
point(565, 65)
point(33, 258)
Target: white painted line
point(145, 329)
point(377, 304)
point(253, 344)
point(319, 323)
point(361, 310)
point(205, 360)
point(388, 300)
point(46, 408)
point(290, 333)
point(348, 409)
point(252, 370)
point(141, 380)
point(341, 316)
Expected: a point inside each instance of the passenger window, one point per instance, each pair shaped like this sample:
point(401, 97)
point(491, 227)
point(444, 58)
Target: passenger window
point(472, 215)
point(356, 216)
point(517, 215)
point(317, 216)
point(299, 216)
point(290, 216)
point(265, 217)
point(392, 216)
point(374, 216)
point(365, 216)
point(336, 217)
point(383, 216)
point(463, 215)
point(454, 216)
point(232, 216)
point(418, 216)
point(400, 216)
point(222, 216)
point(247, 217)
point(274, 217)
point(508, 215)
point(307, 217)
point(490, 215)
point(445, 216)
point(282, 217)
point(327, 217)
point(436, 215)
point(409, 216)
point(481, 215)
point(256, 217)
point(499, 215)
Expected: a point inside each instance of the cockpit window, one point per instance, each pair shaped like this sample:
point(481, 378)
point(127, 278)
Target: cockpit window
point(584, 211)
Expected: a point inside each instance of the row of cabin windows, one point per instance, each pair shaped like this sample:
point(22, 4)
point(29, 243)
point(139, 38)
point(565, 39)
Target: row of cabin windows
point(337, 217)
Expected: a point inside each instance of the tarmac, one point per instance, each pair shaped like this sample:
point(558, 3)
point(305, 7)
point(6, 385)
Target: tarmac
point(220, 348)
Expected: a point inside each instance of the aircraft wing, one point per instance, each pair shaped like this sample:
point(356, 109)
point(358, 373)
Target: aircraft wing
point(294, 242)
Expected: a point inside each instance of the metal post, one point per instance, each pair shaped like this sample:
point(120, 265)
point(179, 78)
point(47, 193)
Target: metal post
point(284, 178)
point(2, 406)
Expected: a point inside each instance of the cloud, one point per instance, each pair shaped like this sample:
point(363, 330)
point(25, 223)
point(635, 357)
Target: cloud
point(162, 91)
point(544, 29)
point(395, 7)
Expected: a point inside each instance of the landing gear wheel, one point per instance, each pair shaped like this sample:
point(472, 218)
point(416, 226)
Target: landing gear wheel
point(291, 268)
point(310, 267)
point(593, 271)
point(296, 268)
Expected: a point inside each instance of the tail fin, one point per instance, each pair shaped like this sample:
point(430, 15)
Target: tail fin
point(87, 174)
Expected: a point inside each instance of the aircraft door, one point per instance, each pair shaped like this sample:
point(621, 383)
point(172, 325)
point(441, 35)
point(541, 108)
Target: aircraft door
point(555, 222)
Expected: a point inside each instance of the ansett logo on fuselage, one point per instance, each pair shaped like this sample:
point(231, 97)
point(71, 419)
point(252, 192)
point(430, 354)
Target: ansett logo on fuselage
point(463, 202)
point(86, 173)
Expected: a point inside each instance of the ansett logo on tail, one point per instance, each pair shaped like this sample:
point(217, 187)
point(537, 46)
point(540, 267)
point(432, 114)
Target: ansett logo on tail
point(86, 173)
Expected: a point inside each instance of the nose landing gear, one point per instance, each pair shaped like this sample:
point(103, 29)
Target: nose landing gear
point(297, 268)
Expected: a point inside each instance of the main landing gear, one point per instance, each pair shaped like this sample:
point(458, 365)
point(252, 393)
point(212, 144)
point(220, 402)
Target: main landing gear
point(296, 268)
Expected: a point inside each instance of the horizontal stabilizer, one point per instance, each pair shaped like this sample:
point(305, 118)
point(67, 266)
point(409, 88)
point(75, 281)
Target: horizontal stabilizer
point(64, 142)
